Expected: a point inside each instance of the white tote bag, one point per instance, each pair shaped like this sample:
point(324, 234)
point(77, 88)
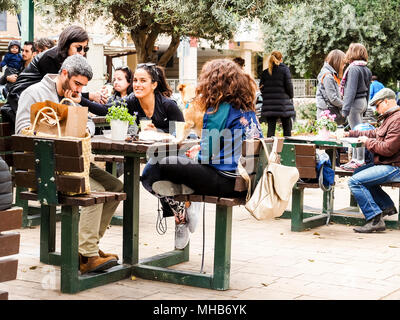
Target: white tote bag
point(272, 193)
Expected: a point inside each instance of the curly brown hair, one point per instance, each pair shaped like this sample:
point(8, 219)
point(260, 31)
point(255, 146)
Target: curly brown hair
point(222, 80)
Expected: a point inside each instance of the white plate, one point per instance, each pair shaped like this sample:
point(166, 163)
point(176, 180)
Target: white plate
point(108, 136)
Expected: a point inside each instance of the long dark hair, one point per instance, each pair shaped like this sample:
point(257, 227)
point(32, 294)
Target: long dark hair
point(69, 35)
point(157, 74)
point(129, 77)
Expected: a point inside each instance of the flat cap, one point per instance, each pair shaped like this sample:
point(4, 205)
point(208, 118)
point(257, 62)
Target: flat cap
point(382, 94)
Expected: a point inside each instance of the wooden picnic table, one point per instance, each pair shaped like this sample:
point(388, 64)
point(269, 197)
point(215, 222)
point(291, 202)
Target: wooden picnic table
point(133, 152)
point(301, 219)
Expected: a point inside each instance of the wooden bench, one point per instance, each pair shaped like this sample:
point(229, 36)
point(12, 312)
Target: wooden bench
point(303, 156)
point(31, 214)
point(9, 245)
point(156, 268)
point(42, 164)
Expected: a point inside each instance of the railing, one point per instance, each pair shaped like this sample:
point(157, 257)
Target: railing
point(303, 88)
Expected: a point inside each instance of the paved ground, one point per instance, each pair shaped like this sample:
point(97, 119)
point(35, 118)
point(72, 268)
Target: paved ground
point(268, 261)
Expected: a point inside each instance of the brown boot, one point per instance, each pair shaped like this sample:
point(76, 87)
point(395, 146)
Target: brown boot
point(96, 263)
point(106, 255)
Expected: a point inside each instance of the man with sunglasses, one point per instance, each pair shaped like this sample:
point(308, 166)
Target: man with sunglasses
point(384, 143)
point(74, 74)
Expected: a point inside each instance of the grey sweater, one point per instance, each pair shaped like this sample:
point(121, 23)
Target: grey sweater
point(39, 92)
point(356, 87)
point(328, 94)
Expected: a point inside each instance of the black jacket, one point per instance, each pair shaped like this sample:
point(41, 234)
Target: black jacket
point(277, 93)
point(45, 62)
point(6, 195)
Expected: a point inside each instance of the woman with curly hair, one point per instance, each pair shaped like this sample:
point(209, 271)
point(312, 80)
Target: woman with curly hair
point(228, 95)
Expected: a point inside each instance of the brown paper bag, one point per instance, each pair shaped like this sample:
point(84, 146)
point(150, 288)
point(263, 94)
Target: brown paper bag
point(72, 119)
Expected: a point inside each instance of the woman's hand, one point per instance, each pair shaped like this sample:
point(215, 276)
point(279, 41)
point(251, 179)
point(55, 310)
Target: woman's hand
point(150, 126)
point(98, 97)
point(193, 151)
point(73, 96)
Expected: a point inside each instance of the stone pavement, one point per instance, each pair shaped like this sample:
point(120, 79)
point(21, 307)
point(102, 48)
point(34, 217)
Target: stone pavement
point(268, 260)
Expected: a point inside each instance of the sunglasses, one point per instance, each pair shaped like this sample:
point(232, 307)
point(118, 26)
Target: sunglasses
point(85, 49)
point(147, 64)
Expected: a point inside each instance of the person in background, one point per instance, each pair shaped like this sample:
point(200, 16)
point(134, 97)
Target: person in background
point(375, 86)
point(328, 95)
point(13, 58)
point(384, 143)
point(43, 44)
point(122, 84)
point(277, 92)
point(10, 76)
point(355, 89)
point(227, 94)
point(72, 40)
point(240, 62)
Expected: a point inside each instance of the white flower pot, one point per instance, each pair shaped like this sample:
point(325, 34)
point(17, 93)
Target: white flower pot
point(119, 129)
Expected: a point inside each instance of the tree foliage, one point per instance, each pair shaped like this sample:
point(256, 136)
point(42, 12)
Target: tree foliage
point(306, 32)
point(146, 20)
point(10, 5)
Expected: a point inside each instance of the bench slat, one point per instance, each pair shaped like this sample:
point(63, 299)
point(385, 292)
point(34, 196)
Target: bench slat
point(10, 219)
point(72, 148)
point(307, 172)
point(3, 295)
point(5, 129)
point(5, 144)
point(64, 183)
point(8, 269)
point(9, 244)
point(305, 161)
point(305, 149)
point(109, 158)
point(79, 200)
point(26, 161)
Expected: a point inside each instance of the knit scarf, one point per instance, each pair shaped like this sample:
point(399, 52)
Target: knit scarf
point(354, 63)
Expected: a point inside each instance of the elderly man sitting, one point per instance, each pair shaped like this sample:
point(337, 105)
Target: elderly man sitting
point(384, 143)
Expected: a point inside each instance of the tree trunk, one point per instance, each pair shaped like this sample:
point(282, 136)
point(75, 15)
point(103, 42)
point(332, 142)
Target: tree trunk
point(169, 53)
point(144, 44)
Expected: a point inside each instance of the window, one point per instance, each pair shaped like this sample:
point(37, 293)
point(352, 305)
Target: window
point(3, 21)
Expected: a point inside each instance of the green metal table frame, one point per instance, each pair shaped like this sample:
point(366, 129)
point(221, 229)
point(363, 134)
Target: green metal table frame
point(68, 258)
point(156, 267)
point(303, 220)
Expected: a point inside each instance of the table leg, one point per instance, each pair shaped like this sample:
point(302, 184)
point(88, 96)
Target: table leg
point(131, 210)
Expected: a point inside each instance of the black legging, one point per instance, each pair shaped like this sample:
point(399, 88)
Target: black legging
point(202, 178)
point(286, 124)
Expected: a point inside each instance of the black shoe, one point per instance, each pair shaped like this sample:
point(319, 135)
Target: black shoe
point(375, 224)
point(389, 211)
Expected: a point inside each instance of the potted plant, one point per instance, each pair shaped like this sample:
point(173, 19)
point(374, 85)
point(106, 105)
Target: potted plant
point(326, 124)
point(119, 118)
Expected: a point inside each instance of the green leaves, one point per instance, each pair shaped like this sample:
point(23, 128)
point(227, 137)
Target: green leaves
point(306, 32)
point(119, 111)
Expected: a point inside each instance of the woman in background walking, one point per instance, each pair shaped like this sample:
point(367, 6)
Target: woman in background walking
point(328, 88)
point(277, 92)
point(355, 89)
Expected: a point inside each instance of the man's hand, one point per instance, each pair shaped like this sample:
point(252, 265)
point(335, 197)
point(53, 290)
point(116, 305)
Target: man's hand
point(73, 96)
point(12, 78)
point(363, 139)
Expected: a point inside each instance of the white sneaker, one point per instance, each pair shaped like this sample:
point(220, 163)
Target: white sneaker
point(192, 215)
point(181, 235)
point(170, 189)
